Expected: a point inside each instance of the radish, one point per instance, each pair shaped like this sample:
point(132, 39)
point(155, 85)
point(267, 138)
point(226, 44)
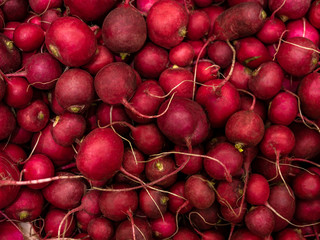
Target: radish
point(7, 121)
point(142, 229)
point(220, 53)
point(40, 6)
point(49, 16)
point(63, 48)
point(178, 200)
point(205, 219)
point(100, 228)
point(306, 186)
point(206, 70)
point(181, 55)
point(213, 12)
point(212, 235)
point(258, 189)
point(194, 164)
point(20, 136)
point(233, 215)
point(313, 14)
point(15, 152)
point(52, 221)
point(260, 221)
point(290, 233)
point(229, 193)
point(198, 25)
point(18, 92)
point(164, 227)
point(185, 233)
point(289, 9)
point(11, 59)
point(9, 230)
point(153, 203)
point(307, 211)
point(244, 233)
point(240, 75)
point(28, 37)
point(133, 161)
point(271, 31)
point(144, 5)
point(15, 10)
point(258, 105)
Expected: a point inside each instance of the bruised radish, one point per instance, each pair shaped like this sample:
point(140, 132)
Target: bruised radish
point(171, 30)
point(7, 121)
point(63, 48)
point(11, 58)
point(131, 25)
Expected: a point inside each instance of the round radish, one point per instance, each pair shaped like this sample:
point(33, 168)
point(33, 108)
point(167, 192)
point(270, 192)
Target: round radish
point(11, 59)
point(7, 121)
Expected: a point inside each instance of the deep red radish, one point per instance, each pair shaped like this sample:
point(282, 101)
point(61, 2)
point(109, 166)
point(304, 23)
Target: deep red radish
point(38, 167)
point(18, 92)
point(10, 231)
point(220, 102)
point(9, 29)
point(213, 12)
point(307, 211)
point(27, 205)
point(64, 193)
point(171, 30)
point(283, 108)
point(231, 3)
point(40, 6)
point(244, 128)
point(291, 83)
point(133, 161)
point(185, 233)
point(14, 151)
point(212, 235)
point(197, 46)
point(198, 25)
point(83, 219)
point(195, 163)
point(283, 203)
point(181, 55)
point(82, 236)
point(233, 215)
point(116, 205)
point(236, 17)
point(206, 70)
point(229, 193)
point(28, 37)
point(63, 48)
point(3, 88)
point(118, 113)
point(260, 221)
point(227, 155)
point(290, 233)
point(199, 192)
point(104, 163)
point(240, 75)
point(289, 9)
point(153, 203)
point(2, 22)
point(302, 28)
point(53, 103)
point(15, 10)
point(148, 97)
point(142, 229)
point(202, 3)
point(259, 107)
point(160, 168)
point(278, 139)
point(115, 83)
point(313, 14)
point(220, 53)
point(306, 143)
point(177, 81)
point(244, 233)
point(49, 16)
point(45, 144)
point(189, 116)
point(164, 227)
point(130, 23)
point(251, 52)
point(7, 121)
point(205, 219)
point(8, 171)
point(20, 136)
point(151, 60)
point(52, 222)
point(271, 31)
point(100, 228)
point(89, 11)
point(178, 201)
point(80, 90)
point(34, 117)
point(306, 186)
point(258, 189)
point(309, 96)
point(11, 59)
point(298, 56)
point(103, 57)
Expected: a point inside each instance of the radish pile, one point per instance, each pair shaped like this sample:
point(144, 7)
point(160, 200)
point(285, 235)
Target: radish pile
point(159, 119)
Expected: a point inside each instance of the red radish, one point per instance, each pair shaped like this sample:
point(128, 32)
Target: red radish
point(9, 29)
point(229, 193)
point(164, 227)
point(132, 26)
point(240, 75)
point(82, 236)
point(178, 201)
point(28, 37)
point(100, 228)
point(144, 5)
point(181, 55)
point(153, 203)
point(15, 152)
point(302, 28)
point(212, 235)
point(169, 31)
point(185, 233)
point(199, 192)
point(11, 59)
point(226, 154)
point(104, 163)
point(151, 60)
point(38, 167)
point(259, 106)
point(27, 206)
point(231, 3)
point(260, 221)
point(290, 233)
point(244, 233)
point(20, 136)
point(203, 3)
point(189, 116)
point(133, 161)
point(89, 11)
point(34, 117)
point(309, 97)
point(63, 48)
point(195, 163)
point(271, 31)
point(80, 93)
point(258, 189)
point(53, 104)
point(289, 9)
point(233, 215)
point(83, 219)
point(298, 56)
point(9, 230)
point(205, 219)
point(115, 205)
point(49, 16)
point(220, 102)
point(220, 53)
point(306, 186)
point(52, 222)
point(175, 80)
point(313, 14)
point(15, 10)
point(197, 46)
point(18, 92)
point(7, 121)
point(198, 25)
point(142, 229)
point(283, 108)
point(213, 12)
point(206, 70)
point(307, 211)
point(40, 6)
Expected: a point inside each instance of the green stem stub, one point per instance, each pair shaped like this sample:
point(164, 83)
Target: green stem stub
point(23, 215)
point(239, 146)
